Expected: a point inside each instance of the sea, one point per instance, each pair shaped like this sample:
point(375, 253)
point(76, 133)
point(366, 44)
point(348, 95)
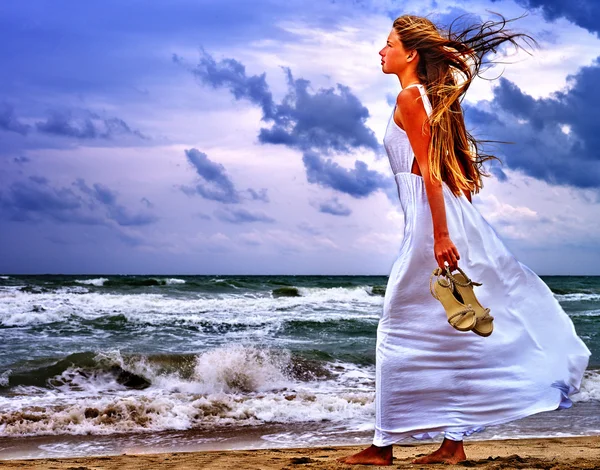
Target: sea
point(104, 365)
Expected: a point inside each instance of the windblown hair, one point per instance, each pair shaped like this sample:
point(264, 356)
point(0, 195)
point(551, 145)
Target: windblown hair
point(448, 62)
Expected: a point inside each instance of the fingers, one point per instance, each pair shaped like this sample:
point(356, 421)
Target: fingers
point(448, 257)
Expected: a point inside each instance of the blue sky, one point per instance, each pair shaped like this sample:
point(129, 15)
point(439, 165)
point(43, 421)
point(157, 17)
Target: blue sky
point(226, 137)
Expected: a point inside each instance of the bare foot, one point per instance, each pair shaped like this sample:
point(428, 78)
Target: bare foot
point(450, 452)
point(370, 456)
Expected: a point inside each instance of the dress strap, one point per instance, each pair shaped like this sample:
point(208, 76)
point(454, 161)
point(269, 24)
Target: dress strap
point(424, 97)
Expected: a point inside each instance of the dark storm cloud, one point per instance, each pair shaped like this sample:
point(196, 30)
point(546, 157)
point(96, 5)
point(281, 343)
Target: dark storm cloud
point(358, 182)
point(34, 200)
point(108, 199)
point(87, 126)
point(584, 13)
point(216, 185)
point(334, 207)
point(328, 119)
point(556, 138)
point(9, 122)
point(325, 121)
point(241, 216)
point(231, 74)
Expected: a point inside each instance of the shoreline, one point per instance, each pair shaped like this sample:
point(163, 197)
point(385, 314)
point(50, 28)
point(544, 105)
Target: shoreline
point(549, 453)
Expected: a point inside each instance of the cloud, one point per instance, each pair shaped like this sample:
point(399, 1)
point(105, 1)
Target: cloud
point(108, 198)
point(358, 182)
point(241, 216)
point(87, 125)
point(35, 200)
point(21, 160)
point(556, 138)
point(334, 207)
point(216, 186)
point(260, 195)
point(308, 228)
point(324, 121)
point(584, 13)
point(147, 203)
point(231, 74)
point(328, 119)
point(9, 122)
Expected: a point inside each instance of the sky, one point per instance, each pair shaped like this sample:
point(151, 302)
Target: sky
point(236, 137)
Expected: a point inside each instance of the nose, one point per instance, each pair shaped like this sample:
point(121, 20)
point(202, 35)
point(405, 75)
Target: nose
point(381, 53)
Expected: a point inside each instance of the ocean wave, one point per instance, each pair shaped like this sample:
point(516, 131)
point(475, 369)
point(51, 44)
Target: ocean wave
point(174, 281)
point(157, 411)
point(590, 387)
point(5, 277)
point(585, 313)
point(220, 370)
point(99, 282)
point(577, 297)
point(330, 292)
point(224, 386)
point(27, 308)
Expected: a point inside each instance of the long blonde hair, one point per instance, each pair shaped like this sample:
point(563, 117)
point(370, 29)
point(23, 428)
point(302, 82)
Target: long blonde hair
point(448, 62)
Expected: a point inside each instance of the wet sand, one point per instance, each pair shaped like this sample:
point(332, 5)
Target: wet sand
point(551, 453)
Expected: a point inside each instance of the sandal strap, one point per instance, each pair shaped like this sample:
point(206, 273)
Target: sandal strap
point(460, 313)
point(486, 316)
point(468, 283)
point(438, 272)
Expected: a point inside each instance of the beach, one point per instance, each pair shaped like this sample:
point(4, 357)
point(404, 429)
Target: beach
point(551, 453)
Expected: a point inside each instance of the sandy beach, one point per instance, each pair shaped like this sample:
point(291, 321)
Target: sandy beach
point(553, 453)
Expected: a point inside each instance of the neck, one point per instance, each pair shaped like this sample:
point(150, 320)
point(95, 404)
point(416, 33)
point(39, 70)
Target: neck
point(408, 78)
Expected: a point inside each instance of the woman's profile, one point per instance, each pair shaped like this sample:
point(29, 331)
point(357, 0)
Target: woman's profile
point(431, 378)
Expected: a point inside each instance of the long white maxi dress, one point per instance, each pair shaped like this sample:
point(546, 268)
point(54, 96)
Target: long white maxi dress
point(431, 378)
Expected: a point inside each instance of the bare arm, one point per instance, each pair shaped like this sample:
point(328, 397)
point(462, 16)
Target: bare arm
point(415, 123)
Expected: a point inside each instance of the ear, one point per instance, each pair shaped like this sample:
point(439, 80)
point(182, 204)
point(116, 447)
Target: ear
point(412, 55)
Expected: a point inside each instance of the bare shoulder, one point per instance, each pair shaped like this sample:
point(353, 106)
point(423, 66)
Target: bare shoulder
point(409, 102)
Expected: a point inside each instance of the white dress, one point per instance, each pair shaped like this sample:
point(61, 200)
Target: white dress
point(431, 378)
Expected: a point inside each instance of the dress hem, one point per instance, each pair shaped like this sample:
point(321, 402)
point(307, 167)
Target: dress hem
point(563, 402)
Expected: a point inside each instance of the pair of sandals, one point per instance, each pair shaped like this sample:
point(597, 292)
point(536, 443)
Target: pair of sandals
point(464, 312)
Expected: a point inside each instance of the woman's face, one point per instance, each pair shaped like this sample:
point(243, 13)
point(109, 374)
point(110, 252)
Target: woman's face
point(393, 55)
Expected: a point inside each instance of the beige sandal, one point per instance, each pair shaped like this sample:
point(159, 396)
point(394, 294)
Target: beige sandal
point(460, 316)
point(484, 325)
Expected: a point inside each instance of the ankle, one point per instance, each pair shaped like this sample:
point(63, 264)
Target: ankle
point(452, 446)
point(385, 450)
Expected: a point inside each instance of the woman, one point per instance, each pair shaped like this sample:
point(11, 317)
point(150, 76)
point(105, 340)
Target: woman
point(431, 378)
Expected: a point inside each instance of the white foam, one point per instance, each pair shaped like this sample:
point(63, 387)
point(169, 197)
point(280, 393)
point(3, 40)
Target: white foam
point(156, 309)
point(4, 378)
point(99, 282)
point(585, 313)
point(590, 387)
point(175, 281)
point(229, 385)
point(5, 277)
point(576, 297)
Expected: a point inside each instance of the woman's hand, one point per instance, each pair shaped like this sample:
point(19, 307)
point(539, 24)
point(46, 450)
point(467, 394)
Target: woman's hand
point(445, 252)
